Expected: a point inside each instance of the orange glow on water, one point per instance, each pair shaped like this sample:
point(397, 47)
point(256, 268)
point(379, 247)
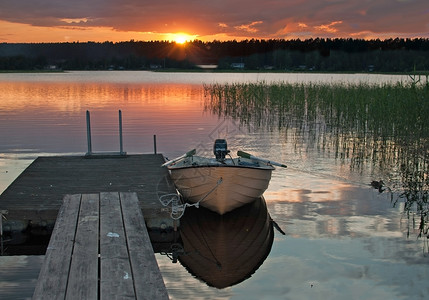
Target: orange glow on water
point(76, 97)
point(53, 113)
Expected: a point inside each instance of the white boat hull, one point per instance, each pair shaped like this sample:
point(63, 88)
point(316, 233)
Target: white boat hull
point(221, 188)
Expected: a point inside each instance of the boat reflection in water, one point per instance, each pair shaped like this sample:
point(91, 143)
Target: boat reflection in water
point(225, 250)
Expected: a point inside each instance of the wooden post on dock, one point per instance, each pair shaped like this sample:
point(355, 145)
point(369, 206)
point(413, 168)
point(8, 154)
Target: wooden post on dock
point(121, 147)
point(88, 132)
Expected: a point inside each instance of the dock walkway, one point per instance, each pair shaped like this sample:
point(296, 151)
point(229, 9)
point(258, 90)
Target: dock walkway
point(34, 198)
point(100, 249)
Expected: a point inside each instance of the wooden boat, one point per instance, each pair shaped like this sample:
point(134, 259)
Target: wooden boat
point(221, 184)
point(225, 250)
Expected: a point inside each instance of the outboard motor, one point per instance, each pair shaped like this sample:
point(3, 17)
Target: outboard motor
point(220, 149)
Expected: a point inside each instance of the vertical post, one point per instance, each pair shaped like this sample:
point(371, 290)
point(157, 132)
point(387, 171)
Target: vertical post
point(1, 234)
point(88, 132)
point(121, 148)
point(154, 143)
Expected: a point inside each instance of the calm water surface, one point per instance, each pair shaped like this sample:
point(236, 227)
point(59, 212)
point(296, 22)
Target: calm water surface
point(343, 238)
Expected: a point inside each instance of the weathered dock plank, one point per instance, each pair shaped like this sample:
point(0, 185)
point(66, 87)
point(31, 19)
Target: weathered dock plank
point(124, 265)
point(144, 267)
point(83, 275)
point(55, 270)
point(115, 274)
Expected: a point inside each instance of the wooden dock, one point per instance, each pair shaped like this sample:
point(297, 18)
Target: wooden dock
point(34, 198)
point(100, 249)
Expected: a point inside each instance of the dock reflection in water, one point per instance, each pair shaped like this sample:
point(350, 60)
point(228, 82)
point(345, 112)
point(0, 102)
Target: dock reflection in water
point(225, 250)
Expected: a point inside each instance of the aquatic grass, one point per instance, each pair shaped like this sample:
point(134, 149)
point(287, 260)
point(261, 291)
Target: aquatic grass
point(360, 108)
point(384, 126)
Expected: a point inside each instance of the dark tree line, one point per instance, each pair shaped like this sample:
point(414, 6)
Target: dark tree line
point(392, 55)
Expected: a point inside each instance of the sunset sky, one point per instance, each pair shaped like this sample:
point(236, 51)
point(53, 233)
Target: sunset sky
point(207, 20)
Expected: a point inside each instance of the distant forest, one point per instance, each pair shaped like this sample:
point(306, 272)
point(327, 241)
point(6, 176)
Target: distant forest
point(325, 55)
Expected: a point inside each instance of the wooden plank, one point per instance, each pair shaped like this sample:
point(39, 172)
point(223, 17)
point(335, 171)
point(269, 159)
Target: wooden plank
point(53, 276)
point(116, 279)
point(148, 281)
point(83, 278)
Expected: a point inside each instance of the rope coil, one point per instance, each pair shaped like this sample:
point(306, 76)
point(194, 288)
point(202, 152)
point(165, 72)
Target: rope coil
point(177, 209)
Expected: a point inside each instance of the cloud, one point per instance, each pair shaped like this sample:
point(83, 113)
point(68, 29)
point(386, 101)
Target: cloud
point(249, 27)
point(75, 21)
point(329, 27)
point(242, 18)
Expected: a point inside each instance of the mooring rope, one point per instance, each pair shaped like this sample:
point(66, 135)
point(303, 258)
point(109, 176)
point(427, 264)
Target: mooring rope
point(177, 209)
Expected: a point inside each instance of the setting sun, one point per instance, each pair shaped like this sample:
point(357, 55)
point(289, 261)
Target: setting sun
point(182, 38)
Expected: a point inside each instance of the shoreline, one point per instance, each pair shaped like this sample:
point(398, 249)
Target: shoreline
point(198, 70)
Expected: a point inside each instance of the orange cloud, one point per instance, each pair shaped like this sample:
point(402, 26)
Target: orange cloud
point(249, 27)
point(21, 33)
point(329, 27)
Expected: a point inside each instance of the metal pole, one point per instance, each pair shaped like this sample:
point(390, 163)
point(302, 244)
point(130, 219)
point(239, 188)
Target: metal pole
point(121, 150)
point(1, 234)
point(154, 143)
point(88, 132)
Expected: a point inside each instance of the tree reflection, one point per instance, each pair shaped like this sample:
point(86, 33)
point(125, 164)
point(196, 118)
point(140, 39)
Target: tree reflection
point(381, 127)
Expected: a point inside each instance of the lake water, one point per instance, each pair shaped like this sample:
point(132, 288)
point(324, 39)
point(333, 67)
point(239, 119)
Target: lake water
point(343, 238)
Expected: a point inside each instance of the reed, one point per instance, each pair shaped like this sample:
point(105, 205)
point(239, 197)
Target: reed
point(388, 110)
point(384, 126)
